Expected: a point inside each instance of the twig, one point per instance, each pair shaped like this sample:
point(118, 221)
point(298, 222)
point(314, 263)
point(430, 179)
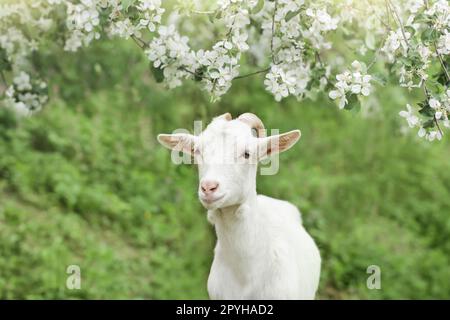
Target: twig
point(202, 12)
point(273, 30)
point(3, 78)
point(441, 62)
point(399, 21)
point(318, 58)
point(388, 28)
point(252, 73)
point(427, 95)
point(371, 64)
point(238, 77)
point(386, 25)
point(4, 81)
point(425, 89)
point(437, 124)
point(446, 74)
point(387, 13)
point(194, 73)
point(141, 43)
point(227, 35)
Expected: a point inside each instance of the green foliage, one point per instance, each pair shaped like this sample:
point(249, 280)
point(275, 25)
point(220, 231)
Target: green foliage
point(84, 182)
point(4, 62)
point(259, 6)
point(158, 73)
point(127, 3)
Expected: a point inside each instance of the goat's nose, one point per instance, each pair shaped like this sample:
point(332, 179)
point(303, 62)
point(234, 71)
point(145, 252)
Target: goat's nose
point(209, 186)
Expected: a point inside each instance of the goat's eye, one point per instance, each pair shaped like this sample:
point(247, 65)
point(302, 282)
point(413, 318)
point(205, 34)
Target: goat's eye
point(246, 154)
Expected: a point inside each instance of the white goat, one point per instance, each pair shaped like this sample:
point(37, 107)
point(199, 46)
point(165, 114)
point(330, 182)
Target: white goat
point(262, 250)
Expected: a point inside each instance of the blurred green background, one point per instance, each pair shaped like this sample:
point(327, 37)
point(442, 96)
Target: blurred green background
point(84, 182)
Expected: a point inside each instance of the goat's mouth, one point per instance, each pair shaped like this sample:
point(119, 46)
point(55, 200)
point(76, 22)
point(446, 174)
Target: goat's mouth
point(209, 202)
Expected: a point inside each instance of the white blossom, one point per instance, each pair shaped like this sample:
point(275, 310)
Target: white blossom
point(351, 82)
point(414, 5)
point(288, 40)
point(443, 43)
point(396, 41)
point(434, 103)
point(412, 119)
point(340, 94)
point(22, 81)
point(82, 21)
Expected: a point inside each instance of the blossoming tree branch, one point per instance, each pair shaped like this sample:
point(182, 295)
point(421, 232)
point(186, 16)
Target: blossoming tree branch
point(299, 48)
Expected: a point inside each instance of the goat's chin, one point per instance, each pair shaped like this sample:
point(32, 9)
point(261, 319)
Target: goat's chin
point(210, 206)
point(213, 205)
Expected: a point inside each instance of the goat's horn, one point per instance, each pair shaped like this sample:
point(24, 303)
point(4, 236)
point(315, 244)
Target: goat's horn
point(254, 122)
point(227, 116)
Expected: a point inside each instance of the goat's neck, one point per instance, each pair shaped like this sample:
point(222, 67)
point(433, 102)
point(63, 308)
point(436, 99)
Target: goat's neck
point(239, 214)
point(239, 228)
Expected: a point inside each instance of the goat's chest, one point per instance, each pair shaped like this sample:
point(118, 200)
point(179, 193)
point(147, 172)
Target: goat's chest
point(236, 274)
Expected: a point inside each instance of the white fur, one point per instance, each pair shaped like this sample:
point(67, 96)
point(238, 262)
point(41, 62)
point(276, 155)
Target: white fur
point(262, 250)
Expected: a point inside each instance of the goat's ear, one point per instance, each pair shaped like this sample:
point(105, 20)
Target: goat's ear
point(178, 142)
point(277, 143)
point(226, 116)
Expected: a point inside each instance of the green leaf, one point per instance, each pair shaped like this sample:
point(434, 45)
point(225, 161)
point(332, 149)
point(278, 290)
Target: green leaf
point(380, 78)
point(429, 124)
point(199, 74)
point(353, 103)
point(292, 14)
point(405, 61)
point(259, 6)
point(4, 62)
point(426, 110)
point(429, 34)
point(158, 73)
point(127, 3)
point(370, 40)
point(411, 30)
point(213, 70)
point(426, 35)
point(441, 80)
point(420, 18)
point(215, 15)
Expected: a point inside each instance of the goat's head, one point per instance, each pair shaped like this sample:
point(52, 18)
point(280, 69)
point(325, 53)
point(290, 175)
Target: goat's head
point(227, 153)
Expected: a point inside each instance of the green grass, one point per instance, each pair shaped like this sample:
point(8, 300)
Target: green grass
point(84, 182)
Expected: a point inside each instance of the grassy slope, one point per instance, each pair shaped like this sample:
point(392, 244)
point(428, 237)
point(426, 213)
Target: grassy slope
point(84, 183)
